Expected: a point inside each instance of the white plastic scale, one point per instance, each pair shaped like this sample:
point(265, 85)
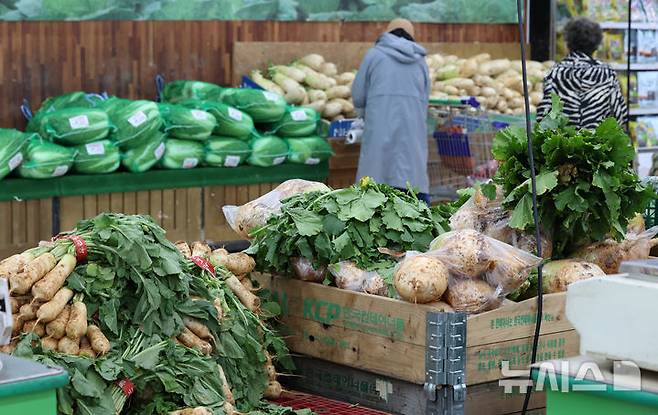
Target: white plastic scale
point(616, 315)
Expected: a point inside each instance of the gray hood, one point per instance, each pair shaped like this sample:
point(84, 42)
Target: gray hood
point(400, 49)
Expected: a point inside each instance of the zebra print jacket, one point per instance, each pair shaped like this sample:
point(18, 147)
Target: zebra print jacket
point(588, 88)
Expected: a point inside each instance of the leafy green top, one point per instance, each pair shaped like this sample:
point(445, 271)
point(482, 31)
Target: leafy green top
point(586, 187)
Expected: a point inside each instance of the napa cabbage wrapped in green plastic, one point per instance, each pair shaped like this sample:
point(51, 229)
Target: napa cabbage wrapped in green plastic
point(267, 151)
point(97, 158)
point(182, 154)
point(181, 90)
point(231, 122)
point(12, 145)
point(44, 159)
point(226, 151)
point(308, 150)
point(187, 123)
point(79, 99)
point(142, 158)
point(297, 122)
point(135, 122)
point(74, 126)
point(262, 106)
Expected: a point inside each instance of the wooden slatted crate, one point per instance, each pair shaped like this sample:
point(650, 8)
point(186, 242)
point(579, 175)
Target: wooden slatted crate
point(387, 337)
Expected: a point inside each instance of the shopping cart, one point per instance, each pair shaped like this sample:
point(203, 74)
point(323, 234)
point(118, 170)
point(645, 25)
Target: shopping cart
point(460, 146)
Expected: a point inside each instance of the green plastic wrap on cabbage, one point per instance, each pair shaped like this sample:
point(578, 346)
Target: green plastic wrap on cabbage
point(97, 158)
point(12, 144)
point(44, 159)
point(135, 122)
point(262, 106)
point(74, 126)
point(226, 152)
point(231, 122)
point(141, 159)
point(267, 151)
point(181, 154)
point(187, 123)
point(297, 122)
point(308, 150)
point(79, 99)
point(181, 90)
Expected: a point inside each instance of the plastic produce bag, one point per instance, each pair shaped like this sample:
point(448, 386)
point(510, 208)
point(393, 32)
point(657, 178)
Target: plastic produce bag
point(252, 215)
point(79, 99)
point(44, 159)
point(262, 106)
point(12, 145)
point(136, 122)
point(187, 123)
point(490, 218)
point(97, 158)
point(267, 151)
point(350, 277)
point(226, 152)
point(141, 159)
point(181, 90)
point(231, 122)
point(308, 150)
point(482, 270)
point(181, 154)
point(75, 126)
point(297, 122)
point(305, 271)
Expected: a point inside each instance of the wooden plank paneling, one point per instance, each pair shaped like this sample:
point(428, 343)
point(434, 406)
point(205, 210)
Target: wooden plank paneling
point(40, 59)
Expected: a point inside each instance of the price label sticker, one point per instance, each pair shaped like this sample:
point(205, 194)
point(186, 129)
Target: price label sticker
point(80, 121)
point(271, 96)
point(15, 161)
point(60, 171)
point(137, 119)
point(199, 115)
point(190, 163)
point(312, 161)
point(231, 161)
point(95, 149)
point(159, 151)
point(298, 115)
point(278, 160)
point(235, 114)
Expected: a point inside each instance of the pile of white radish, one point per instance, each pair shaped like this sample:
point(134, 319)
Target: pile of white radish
point(497, 84)
point(465, 269)
point(42, 305)
point(312, 82)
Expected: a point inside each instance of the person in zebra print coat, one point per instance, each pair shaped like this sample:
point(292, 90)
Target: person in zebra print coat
point(588, 88)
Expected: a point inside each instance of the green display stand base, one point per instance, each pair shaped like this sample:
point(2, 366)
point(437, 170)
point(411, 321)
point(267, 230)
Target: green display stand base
point(576, 394)
point(27, 387)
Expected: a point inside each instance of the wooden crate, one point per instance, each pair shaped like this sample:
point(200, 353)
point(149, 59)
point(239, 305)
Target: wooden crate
point(387, 336)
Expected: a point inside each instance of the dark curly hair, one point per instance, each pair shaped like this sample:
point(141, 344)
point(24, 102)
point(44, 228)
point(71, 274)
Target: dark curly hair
point(583, 35)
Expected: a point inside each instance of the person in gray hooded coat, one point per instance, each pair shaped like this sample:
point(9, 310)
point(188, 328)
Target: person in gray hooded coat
point(391, 92)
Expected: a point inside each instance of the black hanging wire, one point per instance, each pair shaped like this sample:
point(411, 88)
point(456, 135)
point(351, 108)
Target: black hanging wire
point(535, 211)
point(628, 71)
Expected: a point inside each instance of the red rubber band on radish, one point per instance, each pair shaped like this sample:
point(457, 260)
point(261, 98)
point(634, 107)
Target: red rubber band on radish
point(79, 244)
point(204, 264)
point(126, 386)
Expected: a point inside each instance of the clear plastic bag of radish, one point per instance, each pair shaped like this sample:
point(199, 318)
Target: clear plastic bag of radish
point(350, 277)
point(252, 215)
point(467, 269)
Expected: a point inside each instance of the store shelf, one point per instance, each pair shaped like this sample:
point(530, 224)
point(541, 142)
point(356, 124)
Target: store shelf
point(635, 66)
point(644, 111)
point(634, 25)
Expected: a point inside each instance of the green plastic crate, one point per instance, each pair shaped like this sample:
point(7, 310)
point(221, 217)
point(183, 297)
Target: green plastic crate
point(27, 387)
